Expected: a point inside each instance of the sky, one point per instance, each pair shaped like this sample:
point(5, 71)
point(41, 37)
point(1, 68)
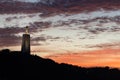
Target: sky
point(83, 38)
point(28, 0)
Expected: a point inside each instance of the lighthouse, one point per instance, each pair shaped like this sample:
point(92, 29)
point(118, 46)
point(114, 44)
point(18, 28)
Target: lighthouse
point(25, 49)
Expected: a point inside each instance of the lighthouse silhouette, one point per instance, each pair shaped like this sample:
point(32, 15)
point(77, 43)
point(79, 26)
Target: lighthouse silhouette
point(26, 42)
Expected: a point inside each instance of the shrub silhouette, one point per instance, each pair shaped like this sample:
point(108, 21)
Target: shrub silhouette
point(17, 66)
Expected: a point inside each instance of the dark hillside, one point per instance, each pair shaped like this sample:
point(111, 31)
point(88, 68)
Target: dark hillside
point(17, 66)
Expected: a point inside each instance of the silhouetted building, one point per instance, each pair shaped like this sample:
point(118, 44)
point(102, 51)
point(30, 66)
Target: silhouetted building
point(26, 42)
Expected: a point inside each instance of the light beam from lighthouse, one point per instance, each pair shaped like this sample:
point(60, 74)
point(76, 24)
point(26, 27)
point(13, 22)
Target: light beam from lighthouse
point(26, 42)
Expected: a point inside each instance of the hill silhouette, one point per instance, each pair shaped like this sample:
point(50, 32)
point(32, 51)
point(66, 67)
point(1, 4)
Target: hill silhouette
point(17, 66)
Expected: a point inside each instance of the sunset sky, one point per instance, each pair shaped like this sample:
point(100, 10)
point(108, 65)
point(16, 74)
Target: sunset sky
point(88, 36)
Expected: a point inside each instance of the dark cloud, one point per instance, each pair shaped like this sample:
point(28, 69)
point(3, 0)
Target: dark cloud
point(12, 30)
point(51, 37)
point(8, 36)
point(37, 39)
point(16, 30)
point(19, 17)
point(105, 45)
point(34, 43)
point(9, 40)
point(44, 38)
point(58, 6)
point(40, 25)
point(98, 22)
point(97, 30)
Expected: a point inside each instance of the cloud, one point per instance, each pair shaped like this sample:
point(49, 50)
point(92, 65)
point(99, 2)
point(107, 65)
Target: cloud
point(61, 6)
point(39, 39)
point(92, 29)
point(44, 38)
point(9, 40)
point(41, 25)
point(9, 36)
point(105, 45)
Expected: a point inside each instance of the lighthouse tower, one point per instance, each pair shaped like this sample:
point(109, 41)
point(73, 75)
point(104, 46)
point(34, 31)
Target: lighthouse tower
point(26, 42)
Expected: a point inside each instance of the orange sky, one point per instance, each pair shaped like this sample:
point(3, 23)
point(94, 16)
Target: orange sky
point(105, 57)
